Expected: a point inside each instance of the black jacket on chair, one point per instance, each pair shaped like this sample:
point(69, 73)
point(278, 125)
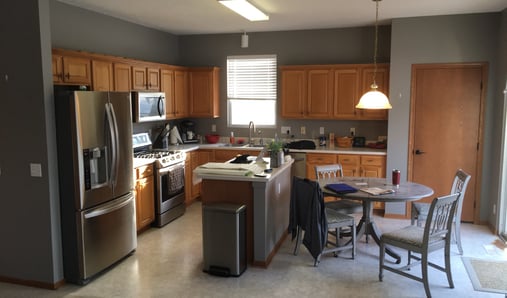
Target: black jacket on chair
point(307, 212)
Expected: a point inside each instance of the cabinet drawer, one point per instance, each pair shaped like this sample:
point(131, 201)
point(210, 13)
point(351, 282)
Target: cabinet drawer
point(144, 171)
point(368, 160)
point(348, 159)
point(321, 158)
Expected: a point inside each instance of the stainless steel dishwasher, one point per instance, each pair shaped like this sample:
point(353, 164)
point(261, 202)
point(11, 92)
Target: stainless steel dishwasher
point(299, 167)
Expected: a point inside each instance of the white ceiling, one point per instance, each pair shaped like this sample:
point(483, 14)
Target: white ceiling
point(183, 17)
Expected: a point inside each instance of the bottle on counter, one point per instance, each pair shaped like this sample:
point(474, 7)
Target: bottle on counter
point(231, 139)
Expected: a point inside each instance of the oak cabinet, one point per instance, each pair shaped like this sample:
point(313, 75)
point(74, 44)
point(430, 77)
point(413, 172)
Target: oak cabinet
point(373, 166)
point(307, 93)
point(314, 159)
point(193, 160)
point(204, 92)
point(350, 164)
point(122, 77)
point(71, 70)
point(181, 93)
point(175, 85)
point(145, 78)
point(145, 196)
point(330, 91)
point(382, 80)
point(102, 79)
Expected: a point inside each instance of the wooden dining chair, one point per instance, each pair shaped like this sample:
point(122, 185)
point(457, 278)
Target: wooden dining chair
point(309, 214)
point(435, 235)
point(419, 211)
point(330, 172)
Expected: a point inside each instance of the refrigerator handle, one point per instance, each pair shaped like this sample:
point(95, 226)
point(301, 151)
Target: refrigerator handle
point(116, 166)
point(114, 149)
point(107, 208)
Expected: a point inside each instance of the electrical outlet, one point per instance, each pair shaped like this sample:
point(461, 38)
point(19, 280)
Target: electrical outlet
point(213, 128)
point(35, 170)
point(303, 130)
point(352, 131)
point(321, 130)
point(286, 130)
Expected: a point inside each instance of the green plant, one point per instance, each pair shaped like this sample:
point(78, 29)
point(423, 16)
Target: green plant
point(275, 146)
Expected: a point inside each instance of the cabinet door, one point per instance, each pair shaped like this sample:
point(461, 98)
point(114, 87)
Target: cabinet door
point(293, 93)
point(102, 79)
point(204, 99)
point(153, 79)
point(382, 80)
point(180, 93)
point(346, 85)
point(313, 160)
point(145, 202)
point(350, 164)
point(319, 101)
point(167, 86)
point(76, 70)
point(57, 68)
point(139, 78)
point(373, 166)
point(122, 77)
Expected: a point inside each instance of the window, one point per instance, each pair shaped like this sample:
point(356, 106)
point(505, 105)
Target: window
point(251, 90)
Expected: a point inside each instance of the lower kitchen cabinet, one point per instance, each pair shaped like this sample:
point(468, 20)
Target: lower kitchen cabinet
point(145, 196)
point(193, 160)
point(353, 165)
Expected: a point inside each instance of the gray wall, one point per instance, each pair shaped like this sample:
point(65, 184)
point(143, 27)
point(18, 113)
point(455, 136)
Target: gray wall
point(330, 46)
point(29, 209)
point(443, 39)
point(78, 29)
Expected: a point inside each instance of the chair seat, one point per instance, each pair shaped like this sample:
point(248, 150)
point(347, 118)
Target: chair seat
point(345, 206)
point(410, 235)
point(334, 218)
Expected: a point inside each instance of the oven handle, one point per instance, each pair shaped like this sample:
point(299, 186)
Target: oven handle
point(172, 167)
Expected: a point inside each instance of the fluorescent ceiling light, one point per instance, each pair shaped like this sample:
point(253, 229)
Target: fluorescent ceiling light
point(245, 9)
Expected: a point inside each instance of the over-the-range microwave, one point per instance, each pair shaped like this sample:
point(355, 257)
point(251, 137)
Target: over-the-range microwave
point(148, 106)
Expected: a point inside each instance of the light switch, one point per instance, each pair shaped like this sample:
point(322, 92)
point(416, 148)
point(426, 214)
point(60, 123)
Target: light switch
point(321, 131)
point(213, 128)
point(35, 170)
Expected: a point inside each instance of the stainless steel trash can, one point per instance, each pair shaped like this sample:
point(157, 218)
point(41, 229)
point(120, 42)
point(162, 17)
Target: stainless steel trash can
point(224, 239)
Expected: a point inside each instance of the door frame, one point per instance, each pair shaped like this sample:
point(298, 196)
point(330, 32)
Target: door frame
point(410, 163)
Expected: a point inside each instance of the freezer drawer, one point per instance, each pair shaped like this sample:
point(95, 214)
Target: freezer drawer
point(108, 234)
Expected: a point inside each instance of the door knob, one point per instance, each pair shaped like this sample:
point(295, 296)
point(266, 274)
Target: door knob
point(417, 151)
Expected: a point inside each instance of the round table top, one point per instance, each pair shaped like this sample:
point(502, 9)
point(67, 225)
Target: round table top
point(406, 191)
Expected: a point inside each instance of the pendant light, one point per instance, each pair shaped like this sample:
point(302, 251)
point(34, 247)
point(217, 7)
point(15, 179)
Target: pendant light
point(374, 99)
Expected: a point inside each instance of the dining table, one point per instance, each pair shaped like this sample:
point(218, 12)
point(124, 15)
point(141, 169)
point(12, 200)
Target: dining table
point(404, 192)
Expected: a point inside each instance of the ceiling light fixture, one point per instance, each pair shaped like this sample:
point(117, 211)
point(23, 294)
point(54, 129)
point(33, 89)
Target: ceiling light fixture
point(374, 99)
point(245, 9)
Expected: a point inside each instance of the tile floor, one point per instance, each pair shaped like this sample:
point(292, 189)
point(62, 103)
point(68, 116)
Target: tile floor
point(168, 263)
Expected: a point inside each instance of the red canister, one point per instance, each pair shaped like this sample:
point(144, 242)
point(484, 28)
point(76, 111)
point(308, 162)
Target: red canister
point(396, 177)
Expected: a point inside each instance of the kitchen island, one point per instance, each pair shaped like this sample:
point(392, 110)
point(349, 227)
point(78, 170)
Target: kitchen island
point(267, 201)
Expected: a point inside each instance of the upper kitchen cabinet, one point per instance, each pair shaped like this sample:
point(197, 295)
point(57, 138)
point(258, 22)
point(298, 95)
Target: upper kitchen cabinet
point(71, 70)
point(122, 77)
point(330, 91)
point(204, 92)
point(145, 78)
point(174, 82)
point(102, 79)
point(307, 93)
point(382, 80)
point(346, 87)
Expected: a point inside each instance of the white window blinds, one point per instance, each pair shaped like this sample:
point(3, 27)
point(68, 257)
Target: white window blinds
point(251, 77)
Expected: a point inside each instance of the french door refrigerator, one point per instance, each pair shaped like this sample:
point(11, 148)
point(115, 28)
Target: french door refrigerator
point(94, 131)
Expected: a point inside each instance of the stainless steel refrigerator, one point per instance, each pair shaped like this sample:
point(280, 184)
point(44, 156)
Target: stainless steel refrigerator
point(94, 131)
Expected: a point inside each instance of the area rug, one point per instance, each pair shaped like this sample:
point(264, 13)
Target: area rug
point(487, 275)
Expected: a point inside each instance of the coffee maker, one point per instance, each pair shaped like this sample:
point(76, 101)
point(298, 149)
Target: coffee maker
point(187, 129)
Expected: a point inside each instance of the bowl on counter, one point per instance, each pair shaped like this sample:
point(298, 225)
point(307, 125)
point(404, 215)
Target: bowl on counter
point(212, 139)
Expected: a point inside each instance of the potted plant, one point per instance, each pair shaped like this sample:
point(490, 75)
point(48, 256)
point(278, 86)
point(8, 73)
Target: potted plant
point(275, 153)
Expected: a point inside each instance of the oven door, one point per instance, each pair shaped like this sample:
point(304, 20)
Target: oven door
point(170, 187)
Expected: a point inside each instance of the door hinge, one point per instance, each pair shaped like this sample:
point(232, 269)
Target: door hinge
point(478, 144)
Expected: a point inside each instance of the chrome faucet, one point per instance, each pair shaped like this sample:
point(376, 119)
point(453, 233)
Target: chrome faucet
point(251, 130)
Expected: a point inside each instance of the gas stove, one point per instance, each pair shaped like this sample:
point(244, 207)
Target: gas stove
point(162, 157)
